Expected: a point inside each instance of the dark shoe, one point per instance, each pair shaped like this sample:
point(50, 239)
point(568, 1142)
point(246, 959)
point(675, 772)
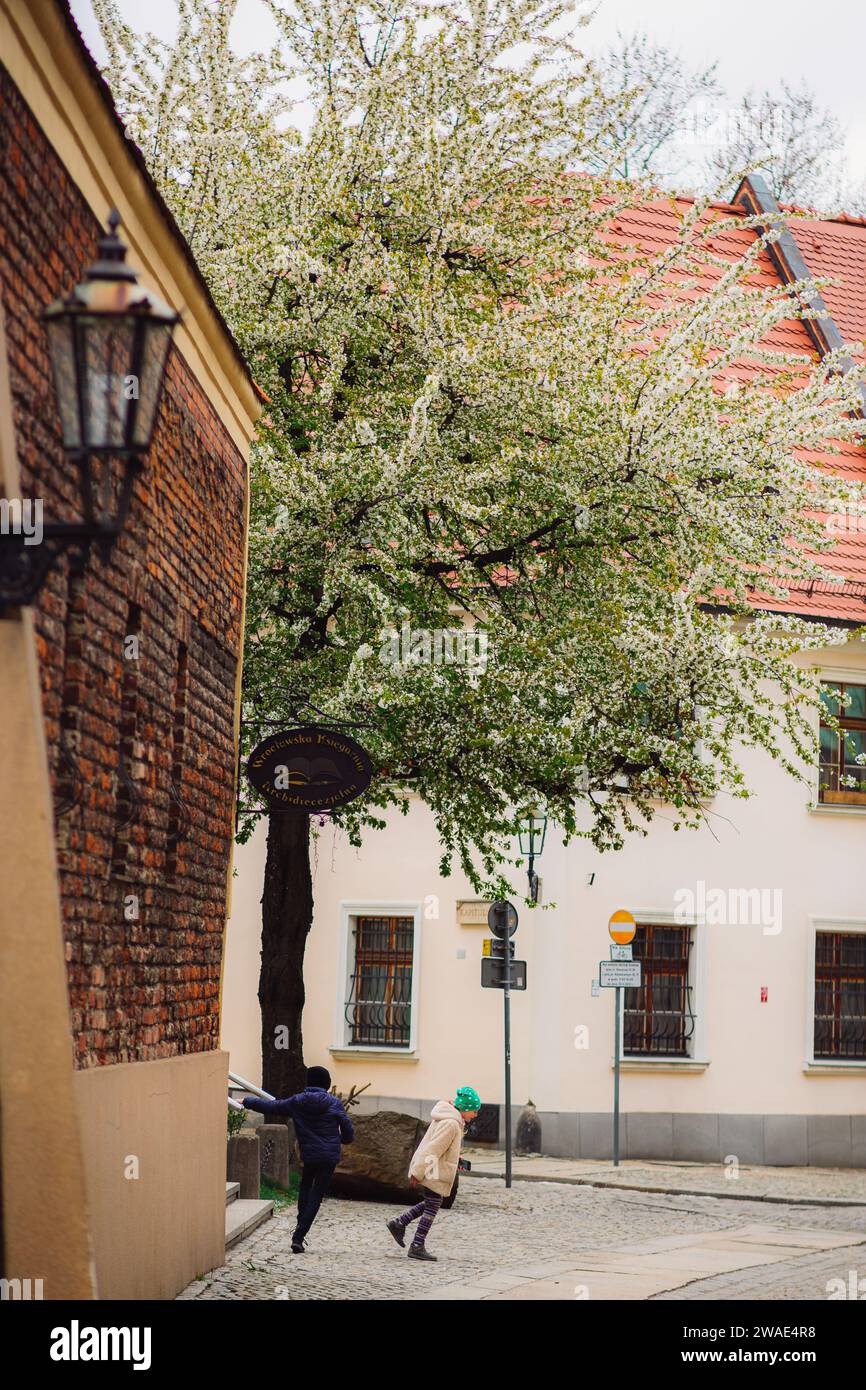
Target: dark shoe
point(398, 1232)
point(419, 1252)
point(298, 1247)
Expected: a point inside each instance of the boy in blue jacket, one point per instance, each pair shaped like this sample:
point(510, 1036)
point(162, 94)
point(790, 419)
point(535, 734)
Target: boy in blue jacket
point(321, 1126)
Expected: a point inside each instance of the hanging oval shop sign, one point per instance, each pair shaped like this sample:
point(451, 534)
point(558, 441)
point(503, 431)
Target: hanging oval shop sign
point(311, 768)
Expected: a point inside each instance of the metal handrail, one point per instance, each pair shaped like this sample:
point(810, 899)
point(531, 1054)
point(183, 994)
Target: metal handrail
point(242, 1085)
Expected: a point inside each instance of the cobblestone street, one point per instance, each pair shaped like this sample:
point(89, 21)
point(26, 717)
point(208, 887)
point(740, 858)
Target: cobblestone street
point(560, 1241)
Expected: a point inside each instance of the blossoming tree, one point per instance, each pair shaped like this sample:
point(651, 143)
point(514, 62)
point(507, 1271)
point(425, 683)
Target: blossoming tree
point(487, 410)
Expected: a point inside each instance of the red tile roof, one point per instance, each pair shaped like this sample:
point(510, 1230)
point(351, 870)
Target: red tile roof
point(835, 248)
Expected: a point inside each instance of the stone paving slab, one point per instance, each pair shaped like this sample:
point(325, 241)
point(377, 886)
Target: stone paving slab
point(503, 1281)
point(576, 1288)
point(804, 1240)
point(460, 1293)
point(789, 1186)
point(603, 1274)
point(694, 1261)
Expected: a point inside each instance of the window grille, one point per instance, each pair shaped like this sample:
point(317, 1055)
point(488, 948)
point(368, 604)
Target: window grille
point(378, 1010)
point(840, 995)
point(659, 1018)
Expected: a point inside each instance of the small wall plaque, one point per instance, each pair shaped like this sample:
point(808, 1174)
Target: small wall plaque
point(472, 914)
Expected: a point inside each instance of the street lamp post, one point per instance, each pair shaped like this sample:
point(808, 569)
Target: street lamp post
point(532, 831)
point(109, 340)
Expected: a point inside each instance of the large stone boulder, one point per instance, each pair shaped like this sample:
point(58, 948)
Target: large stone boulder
point(377, 1163)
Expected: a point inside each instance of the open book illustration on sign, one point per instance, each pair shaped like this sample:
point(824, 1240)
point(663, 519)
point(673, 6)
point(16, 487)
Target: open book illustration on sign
point(316, 772)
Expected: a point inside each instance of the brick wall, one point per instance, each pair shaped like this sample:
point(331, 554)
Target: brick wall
point(141, 750)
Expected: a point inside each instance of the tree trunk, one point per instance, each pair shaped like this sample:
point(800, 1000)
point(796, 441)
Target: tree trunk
point(287, 915)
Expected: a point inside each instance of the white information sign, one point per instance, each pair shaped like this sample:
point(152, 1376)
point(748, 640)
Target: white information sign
point(619, 974)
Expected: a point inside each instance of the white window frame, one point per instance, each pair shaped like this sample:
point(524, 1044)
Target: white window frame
point(827, 1065)
point(341, 1047)
point(849, 676)
point(697, 1058)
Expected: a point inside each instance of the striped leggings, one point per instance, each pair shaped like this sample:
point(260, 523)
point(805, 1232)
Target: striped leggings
point(426, 1210)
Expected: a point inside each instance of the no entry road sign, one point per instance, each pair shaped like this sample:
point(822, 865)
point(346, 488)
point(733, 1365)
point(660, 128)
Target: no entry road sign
point(622, 927)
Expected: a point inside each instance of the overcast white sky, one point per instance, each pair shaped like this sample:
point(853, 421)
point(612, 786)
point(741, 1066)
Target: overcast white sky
point(756, 43)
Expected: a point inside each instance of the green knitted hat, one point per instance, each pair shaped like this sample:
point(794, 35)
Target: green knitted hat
point(467, 1098)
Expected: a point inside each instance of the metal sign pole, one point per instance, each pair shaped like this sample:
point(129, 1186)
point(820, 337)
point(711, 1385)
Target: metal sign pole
point(620, 972)
point(506, 999)
point(616, 999)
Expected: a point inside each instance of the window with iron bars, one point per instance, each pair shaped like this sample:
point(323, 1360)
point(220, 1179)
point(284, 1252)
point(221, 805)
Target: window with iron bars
point(658, 1018)
point(379, 1008)
point(840, 995)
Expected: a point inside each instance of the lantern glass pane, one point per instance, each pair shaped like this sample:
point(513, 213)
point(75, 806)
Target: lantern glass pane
point(108, 377)
point(532, 835)
point(61, 343)
point(157, 337)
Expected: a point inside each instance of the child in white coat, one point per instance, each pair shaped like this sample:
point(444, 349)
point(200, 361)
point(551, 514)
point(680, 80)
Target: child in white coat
point(434, 1167)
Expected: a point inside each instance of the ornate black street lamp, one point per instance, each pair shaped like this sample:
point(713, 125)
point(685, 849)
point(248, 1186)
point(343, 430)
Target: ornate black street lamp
point(532, 831)
point(109, 341)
